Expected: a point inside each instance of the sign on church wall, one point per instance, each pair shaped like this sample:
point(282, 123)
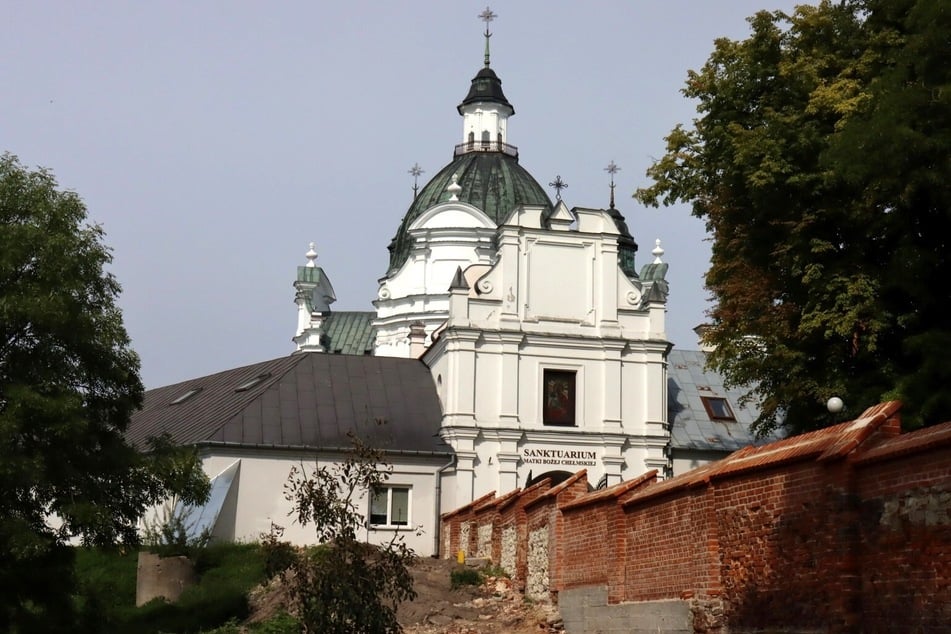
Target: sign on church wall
point(560, 456)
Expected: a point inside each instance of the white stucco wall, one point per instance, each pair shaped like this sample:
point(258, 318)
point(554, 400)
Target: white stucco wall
point(555, 299)
point(447, 236)
point(259, 497)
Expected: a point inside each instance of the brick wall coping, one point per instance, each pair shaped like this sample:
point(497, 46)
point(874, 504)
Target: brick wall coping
point(823, 445)
point(553, 492)
point(827, 444)
point(859, 430)
point(541, 484)
point(699, 476)
point(613, 492)
point(471, 505)
point(497, 503)
point(911, 443)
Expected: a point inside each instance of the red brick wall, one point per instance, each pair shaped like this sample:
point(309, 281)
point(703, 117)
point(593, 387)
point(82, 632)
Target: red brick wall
point(589, 543)
point(512, 513)
point(784, 547)
point(843, 530)
point(486, 518)
point(453, 522)
point(905, 542)
point(544, 513)
point(594, 533)
point(667, 547)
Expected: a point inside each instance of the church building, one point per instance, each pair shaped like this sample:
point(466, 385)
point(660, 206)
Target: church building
point(513, 339)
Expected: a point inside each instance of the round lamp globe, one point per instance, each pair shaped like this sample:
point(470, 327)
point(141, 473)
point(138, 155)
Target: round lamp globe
point(835, 405)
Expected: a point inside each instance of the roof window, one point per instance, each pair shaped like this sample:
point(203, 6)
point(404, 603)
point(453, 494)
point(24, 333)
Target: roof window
point(187, 395)
point(247, 385)
point(718, 408)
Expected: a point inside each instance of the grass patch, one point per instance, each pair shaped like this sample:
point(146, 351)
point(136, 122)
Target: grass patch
point(280, 624)
point(226, 573)
point(464, 576)
point(495, 570)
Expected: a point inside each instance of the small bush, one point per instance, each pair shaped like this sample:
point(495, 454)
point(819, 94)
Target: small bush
point(171, 532)
point(278, 555)
point(464, 576)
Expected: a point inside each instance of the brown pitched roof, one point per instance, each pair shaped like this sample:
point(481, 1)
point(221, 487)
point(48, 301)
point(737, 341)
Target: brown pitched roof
point(304, 400)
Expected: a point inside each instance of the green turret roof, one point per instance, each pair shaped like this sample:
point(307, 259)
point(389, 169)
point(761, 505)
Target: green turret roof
point(494, 182)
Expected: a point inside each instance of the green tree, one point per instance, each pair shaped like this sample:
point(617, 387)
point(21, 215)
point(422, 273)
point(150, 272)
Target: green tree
point(820, 163)
point(68, 386)
point(346, 586)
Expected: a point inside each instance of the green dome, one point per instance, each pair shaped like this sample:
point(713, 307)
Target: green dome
point(492, 181)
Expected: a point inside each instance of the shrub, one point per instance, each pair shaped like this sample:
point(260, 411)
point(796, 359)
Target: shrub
point(464, 576)
point(171, 530)
point(346, 586)
point(278, 555)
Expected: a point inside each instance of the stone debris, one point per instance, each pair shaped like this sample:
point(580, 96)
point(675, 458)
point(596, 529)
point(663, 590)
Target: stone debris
point(498, 608)
point(494, 607)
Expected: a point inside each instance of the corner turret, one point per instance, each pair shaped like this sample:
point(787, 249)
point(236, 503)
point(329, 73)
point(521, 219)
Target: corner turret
point(313, 297)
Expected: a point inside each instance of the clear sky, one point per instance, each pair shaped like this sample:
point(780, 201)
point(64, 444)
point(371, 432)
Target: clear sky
point(213, 140)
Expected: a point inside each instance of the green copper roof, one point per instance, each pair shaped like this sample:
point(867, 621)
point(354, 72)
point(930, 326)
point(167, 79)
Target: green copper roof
point(494, 182)
point(349, 332)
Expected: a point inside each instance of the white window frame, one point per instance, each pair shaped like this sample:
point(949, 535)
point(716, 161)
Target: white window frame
point(389, 488)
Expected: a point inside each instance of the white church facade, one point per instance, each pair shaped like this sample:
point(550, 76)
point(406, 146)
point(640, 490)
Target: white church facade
point(512, 338)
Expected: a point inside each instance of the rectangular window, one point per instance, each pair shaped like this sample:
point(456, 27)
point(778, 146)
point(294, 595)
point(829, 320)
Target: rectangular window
point(558, 392)
point(717, 408)
point(389, 506)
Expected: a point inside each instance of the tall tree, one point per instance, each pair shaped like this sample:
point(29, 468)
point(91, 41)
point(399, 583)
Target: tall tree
point(346, 586)
point(820, 163)
point(69, 383)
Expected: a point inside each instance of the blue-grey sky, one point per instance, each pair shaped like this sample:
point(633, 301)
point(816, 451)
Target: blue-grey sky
point(213, 140)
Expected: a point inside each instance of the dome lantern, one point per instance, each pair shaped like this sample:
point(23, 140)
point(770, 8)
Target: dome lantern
point(485, 110)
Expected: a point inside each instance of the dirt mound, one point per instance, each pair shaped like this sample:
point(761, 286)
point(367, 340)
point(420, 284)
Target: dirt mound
point(492, 608)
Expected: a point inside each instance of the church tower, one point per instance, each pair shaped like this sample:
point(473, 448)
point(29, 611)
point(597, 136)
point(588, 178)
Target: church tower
point(452, 221)
point(547, 348)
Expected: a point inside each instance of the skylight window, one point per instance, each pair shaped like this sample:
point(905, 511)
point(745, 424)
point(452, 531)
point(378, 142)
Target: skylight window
point(247, 385)
point(718, 408)
point(187, 395)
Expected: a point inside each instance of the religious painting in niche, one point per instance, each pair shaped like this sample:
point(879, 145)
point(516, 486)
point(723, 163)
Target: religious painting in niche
point(558, 407)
